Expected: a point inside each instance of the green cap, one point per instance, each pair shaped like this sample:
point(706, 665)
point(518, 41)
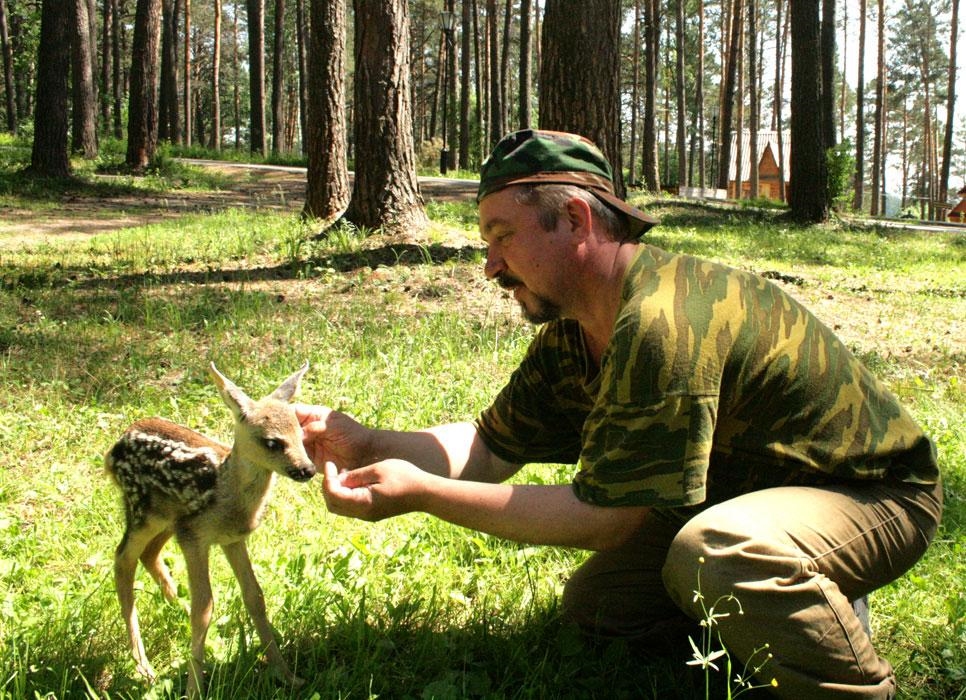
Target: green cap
point(555, 157)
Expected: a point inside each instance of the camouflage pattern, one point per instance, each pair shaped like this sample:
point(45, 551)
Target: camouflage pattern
point(715, 383)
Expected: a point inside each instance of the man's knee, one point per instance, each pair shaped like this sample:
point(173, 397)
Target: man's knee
point(713, 555)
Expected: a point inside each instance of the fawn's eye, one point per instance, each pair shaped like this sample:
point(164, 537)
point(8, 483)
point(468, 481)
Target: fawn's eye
point(274, 445)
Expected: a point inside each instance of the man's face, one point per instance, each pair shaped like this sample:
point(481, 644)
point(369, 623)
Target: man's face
point(521, 255)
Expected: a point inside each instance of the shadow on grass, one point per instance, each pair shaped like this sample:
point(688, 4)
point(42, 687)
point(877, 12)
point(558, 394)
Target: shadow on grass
point(87, 277)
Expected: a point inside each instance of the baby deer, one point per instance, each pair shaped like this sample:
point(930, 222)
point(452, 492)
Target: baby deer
point(177, 482)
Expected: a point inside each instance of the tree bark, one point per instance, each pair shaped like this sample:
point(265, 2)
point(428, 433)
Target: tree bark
point(878, 136)
point(278, 78)
point(117, 83)
point(49, 156)
point(385, 192)
point(142, 123)
point(8, 84)
point(859, 185)
point(256, 74)
point(680, 135)
point(187, 72)
point(301, 37)
point(950, 105)
point(808, 198)
point(828, 73)
point(525, 63)
point(216, 81)
point(169, 120)
point(728, 96)
point(327, 192)
point(496, 89)
point(580, 90)
point(753, 119)
point(466, 35)
point(84, 112)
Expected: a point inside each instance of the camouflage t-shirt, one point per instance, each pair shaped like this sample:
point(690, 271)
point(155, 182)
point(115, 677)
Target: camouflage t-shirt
point(715, 383)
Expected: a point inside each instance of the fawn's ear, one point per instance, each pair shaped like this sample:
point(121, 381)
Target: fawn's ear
point(237, 400)
point(290, 386)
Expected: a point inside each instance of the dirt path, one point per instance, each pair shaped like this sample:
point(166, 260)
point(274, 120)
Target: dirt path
point(257, 186)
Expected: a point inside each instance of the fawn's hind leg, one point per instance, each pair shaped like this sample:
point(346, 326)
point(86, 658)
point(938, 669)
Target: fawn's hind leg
point(151, 558)
point(133, 544)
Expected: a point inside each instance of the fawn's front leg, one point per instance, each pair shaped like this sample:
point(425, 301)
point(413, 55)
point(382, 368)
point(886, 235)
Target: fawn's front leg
point(241, 565)
point(199, 584)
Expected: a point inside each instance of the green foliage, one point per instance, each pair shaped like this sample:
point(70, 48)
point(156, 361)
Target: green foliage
point(99, 331)
point(840, 160)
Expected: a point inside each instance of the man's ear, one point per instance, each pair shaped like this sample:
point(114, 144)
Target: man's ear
point(579, 216)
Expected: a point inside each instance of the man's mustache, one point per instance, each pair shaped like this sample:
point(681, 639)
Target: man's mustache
point(506, 281)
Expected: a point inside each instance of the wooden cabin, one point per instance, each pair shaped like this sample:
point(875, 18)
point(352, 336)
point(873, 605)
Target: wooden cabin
point(958, 212)
point(769, 182)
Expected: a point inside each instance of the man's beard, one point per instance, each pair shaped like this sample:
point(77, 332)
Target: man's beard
point(542, 311)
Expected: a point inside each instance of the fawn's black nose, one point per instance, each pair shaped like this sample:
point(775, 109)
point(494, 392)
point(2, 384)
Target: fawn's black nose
point(303, 473)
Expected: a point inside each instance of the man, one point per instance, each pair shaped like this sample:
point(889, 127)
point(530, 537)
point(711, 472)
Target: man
point(714, 421)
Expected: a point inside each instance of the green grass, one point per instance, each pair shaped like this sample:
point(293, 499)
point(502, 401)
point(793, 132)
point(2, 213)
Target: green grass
point(99, 332)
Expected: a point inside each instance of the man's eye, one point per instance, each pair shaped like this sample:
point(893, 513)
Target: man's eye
point(274, 445)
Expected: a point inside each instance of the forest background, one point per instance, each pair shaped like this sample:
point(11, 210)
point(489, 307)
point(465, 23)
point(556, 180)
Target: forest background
point(682, 78)
point(175, 267)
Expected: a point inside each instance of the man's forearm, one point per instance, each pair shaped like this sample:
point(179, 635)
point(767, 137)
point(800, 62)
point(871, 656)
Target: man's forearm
point(453, 450)
point(531, 514)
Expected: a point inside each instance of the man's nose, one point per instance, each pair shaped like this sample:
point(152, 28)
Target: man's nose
point(494, 264)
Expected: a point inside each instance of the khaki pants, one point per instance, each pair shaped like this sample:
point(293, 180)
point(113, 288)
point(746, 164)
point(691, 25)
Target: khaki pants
point(794, 557)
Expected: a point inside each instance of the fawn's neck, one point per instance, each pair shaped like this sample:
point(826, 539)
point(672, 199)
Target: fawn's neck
point(248, 487)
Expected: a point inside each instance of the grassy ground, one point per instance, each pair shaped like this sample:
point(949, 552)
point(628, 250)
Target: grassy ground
point(99, 330)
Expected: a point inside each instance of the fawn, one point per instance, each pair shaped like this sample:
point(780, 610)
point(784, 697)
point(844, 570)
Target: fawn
point(177, 482)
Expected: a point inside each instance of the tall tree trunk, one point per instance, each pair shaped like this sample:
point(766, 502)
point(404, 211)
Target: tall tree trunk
point(235, 71)
point(187, 73)
point(117, 81)
point(650, 172)
point(278, 78)
point(301, 31)
point(699, 99)
point(84, 112)
point(169, 120)
point(569, 75)
point(753, 119)
point(385, 193)
point(681, 138)
point(740, 116)
point(525, 63)
point(256, 74)
point(635, 89)
point(859, 184)
point(808, 198)
point(142, 123)
point(327, 192)
point(828, 73)
point(950, 105)
point(478, 91)
point(505, 67)
point(49, 155)
point(105, 66)
point(781, 48)
point(880, 108)
point(216, 81)
point(450, 94)
point(466, 35)
point(8, 84)
point(496, 89)
point(728, 96)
